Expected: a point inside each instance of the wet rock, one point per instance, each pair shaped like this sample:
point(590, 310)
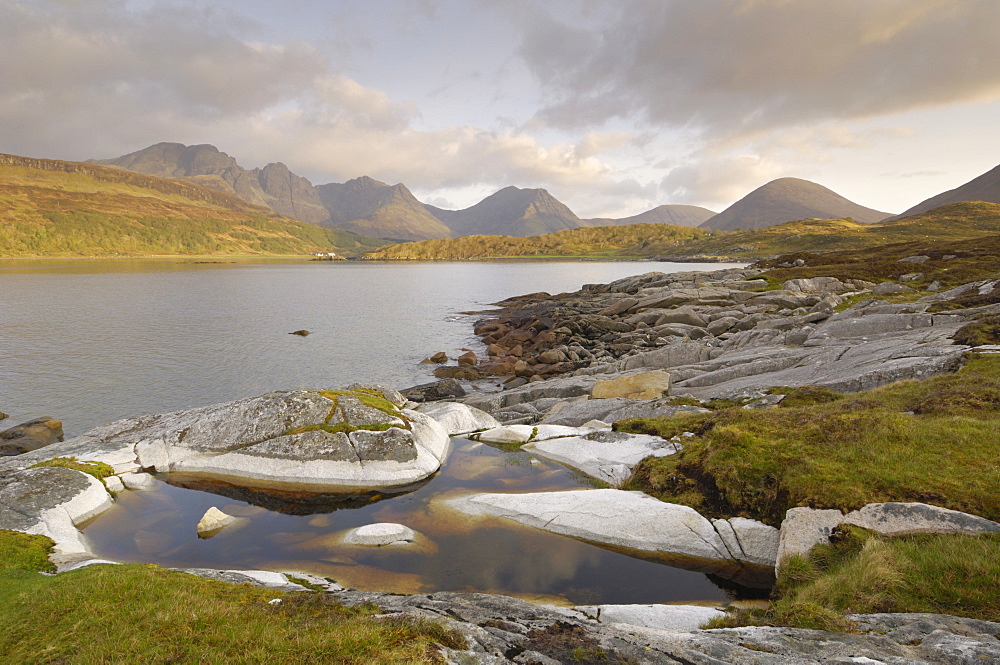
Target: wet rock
point(300, 333)
point(429, 392)
point(439, 357)
point(462, 372)
point(468, 358)
point(30, 435)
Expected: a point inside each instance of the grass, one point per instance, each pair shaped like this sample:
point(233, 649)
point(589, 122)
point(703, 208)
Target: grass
point(50, 208)
point(932, 441)
point(145, 614)
point(862, 573)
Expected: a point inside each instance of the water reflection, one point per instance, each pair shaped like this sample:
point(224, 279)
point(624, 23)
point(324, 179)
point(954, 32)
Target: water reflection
point(454, 552)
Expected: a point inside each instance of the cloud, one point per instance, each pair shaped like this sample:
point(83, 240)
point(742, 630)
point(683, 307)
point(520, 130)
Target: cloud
point(737, 67)
point(715, 182)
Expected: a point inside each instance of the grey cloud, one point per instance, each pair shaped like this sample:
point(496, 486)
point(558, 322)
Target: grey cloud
point(742, 66)
point(96, 66)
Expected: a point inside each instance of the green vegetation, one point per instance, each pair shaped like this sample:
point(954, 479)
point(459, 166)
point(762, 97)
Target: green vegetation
point(952, 223)
point(598, 242)
point(145, 614)
point(51, 209)
point(860, 572)
point(98, 470)
point(930, 441)
point(821, 242)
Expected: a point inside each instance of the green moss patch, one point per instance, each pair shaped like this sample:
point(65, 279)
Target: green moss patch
point(98, 470)
point(145, 614)
point(932, 441)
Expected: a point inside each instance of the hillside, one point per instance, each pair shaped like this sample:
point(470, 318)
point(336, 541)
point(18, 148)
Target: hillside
point(675, 215)
point(601, 241)
point(378, 210)
point(274, 186)
point(956, 222)
point(56, 208)
point(982, 188)
point(786, 200)
point(510, 211)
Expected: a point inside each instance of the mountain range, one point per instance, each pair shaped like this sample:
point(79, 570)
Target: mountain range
point(376, 209)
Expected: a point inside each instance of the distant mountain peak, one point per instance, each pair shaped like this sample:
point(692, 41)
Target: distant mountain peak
point(786, 200)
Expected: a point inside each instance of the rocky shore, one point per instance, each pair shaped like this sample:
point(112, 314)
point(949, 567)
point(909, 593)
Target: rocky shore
point(567, 367)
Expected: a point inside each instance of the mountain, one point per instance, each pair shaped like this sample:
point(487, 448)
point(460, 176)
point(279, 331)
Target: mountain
point(787, 200)
point(55, 208)
point(983, 188)
point(511, 212)
point(674, 215)
point(273, 186)
point(372, 208)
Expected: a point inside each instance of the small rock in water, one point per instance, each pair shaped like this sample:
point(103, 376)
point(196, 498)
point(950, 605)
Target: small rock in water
point(439, 357)
point(381, 534)
point(214, 521)
point(300, 333)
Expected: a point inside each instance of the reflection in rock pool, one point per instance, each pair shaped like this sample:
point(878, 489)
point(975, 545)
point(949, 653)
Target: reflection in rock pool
point(455, 552)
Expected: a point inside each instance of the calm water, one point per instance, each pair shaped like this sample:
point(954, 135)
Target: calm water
point(457, 553)
point(89, 342)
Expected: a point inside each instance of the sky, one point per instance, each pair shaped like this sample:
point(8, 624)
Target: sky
point(614, 107)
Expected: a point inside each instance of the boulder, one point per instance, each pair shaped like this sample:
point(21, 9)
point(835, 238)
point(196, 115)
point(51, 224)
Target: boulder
point(380, 535)
point(214, 521)
point(429, 392)
point(338, 440)
point(137, 481)
point(458, 418)
point(604, 455)
point(647, 385)
point(30, 435)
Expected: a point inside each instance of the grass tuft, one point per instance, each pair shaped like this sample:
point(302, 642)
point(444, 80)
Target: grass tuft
point(145, 614)
point(931, 441)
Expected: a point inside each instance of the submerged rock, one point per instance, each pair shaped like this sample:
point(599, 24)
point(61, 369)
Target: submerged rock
point(380, 535)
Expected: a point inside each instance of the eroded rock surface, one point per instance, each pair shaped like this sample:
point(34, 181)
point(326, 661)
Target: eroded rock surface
point(334, 439)
point(636, 522)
